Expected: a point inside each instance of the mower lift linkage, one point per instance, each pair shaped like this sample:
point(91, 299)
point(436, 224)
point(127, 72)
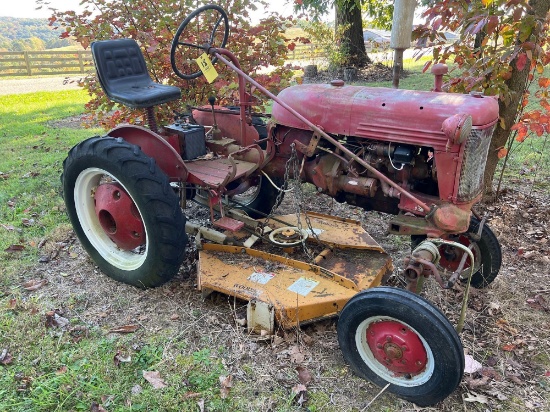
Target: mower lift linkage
point(235, 66)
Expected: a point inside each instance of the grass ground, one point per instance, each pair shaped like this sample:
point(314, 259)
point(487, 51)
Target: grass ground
point(191, 342)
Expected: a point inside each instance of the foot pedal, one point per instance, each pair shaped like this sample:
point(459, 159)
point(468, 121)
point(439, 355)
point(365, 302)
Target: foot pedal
point(228, 224)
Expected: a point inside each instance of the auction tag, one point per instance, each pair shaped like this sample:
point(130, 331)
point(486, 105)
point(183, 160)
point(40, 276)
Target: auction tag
point(207, 68)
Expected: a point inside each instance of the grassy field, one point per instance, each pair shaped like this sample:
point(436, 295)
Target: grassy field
point(82, 365)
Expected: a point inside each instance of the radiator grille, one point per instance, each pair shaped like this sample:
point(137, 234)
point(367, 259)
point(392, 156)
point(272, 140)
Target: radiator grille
point(473, 165)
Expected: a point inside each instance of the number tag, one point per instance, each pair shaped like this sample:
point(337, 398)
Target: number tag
point(207, 68)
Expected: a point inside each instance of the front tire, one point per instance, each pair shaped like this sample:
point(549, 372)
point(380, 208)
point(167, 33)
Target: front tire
point(259, 200)
point(486, 250)
point(394, 336)
point(124, 211)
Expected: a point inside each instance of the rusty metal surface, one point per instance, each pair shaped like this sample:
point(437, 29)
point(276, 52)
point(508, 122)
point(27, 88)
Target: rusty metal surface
point(372, 112)
point(298, 292)
point(365, 268)
point(214, 172)
point(333, 231)
point(228, 123)
point(154, 146)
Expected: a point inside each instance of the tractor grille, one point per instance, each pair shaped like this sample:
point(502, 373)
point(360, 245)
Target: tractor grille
point(473, 165)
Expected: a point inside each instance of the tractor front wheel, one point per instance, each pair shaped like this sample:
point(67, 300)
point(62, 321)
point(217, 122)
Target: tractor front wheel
point(487, 254)
point(392, 336)
point(124, 211)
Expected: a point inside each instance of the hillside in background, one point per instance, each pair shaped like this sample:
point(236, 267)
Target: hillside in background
point(29, 34)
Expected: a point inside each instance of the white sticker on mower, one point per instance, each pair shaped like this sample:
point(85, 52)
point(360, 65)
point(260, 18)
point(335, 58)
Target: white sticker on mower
point(316, 231)
point(261, 277)
point(303, 286)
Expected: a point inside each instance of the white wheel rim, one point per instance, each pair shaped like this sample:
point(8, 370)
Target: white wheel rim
point(381, 370)
point(85, 185)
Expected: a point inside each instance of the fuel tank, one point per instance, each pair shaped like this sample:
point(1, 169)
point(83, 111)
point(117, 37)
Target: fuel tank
point(393, 115)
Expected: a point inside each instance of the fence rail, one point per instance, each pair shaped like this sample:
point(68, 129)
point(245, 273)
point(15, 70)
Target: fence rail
point(33, 63)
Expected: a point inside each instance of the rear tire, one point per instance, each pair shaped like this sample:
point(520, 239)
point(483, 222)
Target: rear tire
point(394, 336)
point(151, 218)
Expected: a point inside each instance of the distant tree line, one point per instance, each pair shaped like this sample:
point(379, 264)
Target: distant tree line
point(29, 34)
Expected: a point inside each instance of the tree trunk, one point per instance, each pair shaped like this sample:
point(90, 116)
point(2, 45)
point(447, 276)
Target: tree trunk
point(349, 30)
point(508, 113)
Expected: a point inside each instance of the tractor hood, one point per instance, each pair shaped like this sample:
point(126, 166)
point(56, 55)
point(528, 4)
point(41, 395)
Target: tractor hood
point(405, 116)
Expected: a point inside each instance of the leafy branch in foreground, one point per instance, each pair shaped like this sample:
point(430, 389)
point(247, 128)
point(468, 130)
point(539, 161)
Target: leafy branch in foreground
point(153, 25)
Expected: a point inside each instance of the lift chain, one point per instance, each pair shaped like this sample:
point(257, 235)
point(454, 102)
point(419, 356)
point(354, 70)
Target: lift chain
point(299, 202)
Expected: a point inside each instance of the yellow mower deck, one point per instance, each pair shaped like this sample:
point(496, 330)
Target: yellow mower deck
point(293, 291)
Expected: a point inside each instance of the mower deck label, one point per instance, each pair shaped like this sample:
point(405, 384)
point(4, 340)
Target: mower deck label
point(261, 277)
point(303, 286)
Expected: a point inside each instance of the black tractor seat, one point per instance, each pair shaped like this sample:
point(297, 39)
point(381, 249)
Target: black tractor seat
point(123, 75)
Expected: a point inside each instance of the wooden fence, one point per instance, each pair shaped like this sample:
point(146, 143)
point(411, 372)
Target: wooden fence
point(33, 63)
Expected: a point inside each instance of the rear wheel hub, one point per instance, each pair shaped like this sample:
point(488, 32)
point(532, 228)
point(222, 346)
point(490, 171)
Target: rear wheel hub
point(119, 216)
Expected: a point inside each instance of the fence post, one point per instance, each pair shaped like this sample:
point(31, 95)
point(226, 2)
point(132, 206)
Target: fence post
point(81, 61)
point(27, 63)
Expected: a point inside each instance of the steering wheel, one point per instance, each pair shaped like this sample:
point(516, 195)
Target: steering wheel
point(186, 47)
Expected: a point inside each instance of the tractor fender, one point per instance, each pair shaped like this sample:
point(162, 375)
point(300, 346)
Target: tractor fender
point(154, 146)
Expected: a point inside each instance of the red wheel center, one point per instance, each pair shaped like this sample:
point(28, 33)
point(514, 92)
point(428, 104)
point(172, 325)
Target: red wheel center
point(118, 216)
point(451, 256)
point(397, 347)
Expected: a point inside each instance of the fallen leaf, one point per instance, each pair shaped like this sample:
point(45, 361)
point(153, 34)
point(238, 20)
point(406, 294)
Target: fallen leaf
point(515, 378)
point(538, 302)
point(12, 304)
point(175, 316)
point(509, 347)
point(497, 394)
point(96, 407)
point(304, 376)
point(296, 355)
point(61, 370)
point(9, 228)
point(50, 319)
point(125, 329)
point(14, 248)
point(490, 373)
point(471, 365)
point(476, 383)
point(475, 397)
point(27, 222)
point(153, 377)
point(34, 284)
point(299, 392)
point(226, 383)
point(493, 309)
point(119, 358)
point(5, 357)
point(503, 324)
point(61, 321)
point(200, 404)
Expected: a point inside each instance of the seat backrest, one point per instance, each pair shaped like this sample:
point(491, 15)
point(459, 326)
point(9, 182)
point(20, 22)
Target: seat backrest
point(119, 63)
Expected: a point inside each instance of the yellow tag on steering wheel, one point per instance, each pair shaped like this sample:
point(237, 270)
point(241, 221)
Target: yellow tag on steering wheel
point(207, 68)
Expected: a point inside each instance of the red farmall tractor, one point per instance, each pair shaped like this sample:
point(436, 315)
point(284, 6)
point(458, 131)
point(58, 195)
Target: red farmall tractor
point(417, 155)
